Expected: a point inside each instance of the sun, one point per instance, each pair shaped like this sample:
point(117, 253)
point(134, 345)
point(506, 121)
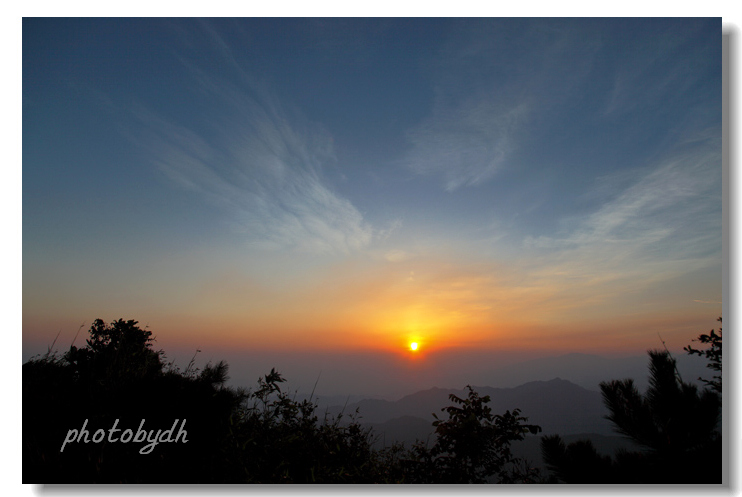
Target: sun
point(413, 346)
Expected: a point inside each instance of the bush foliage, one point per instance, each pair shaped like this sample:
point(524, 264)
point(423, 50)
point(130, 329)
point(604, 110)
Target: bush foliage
point(234, 435)
point(676, 426)
point(264, 435)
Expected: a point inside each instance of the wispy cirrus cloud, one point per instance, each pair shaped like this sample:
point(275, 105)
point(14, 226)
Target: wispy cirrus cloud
point(466, 143)
point(665, 68)
point(487, 98)
point(264, 164)
point(665, 224)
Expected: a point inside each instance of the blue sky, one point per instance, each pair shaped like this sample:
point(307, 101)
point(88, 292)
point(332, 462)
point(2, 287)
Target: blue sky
point(339, 184)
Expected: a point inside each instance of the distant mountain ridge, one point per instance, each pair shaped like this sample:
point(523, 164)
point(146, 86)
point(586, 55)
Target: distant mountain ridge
point(558, 406)
point(585, 370)
point(372, 376)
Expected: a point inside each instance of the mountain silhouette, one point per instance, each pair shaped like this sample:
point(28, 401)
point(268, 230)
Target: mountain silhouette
point(585, 370)
point(558, 406)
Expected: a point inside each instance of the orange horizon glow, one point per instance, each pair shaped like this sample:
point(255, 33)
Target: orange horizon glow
point(366, 304)
point(637, 333)
point(375, 306)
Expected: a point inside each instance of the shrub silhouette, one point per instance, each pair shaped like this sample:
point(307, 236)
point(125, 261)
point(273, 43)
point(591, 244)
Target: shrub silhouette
point(472, 446)
point(118, 376)
point(713, 354)
point(277, 439)
point(578, 462)
point(675, 424)
point(119, 352)
point(233, 435)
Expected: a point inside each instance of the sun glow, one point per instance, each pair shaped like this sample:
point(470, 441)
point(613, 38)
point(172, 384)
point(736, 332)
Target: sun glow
point(413, 346)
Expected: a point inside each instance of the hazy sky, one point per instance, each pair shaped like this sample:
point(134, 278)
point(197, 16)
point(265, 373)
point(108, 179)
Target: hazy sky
point(334, 187)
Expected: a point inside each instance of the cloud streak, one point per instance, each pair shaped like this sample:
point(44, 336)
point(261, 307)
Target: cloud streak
point(488, 98)
point(665, 68)
point(465, 144)
point(665, 224)
point(263, 164)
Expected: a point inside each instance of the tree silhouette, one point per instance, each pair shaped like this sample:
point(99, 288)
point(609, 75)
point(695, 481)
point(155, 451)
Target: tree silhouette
point(117, 375)
point(234, 435)
point(578, 462)
point(119, 351)
point(675, 425)
point(674, 422)
point(472, 445)
point(276, 439)
point(713, 354)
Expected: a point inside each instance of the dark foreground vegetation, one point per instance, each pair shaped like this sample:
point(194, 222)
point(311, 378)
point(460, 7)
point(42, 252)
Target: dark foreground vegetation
point(677, 426)
point(78, 407)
